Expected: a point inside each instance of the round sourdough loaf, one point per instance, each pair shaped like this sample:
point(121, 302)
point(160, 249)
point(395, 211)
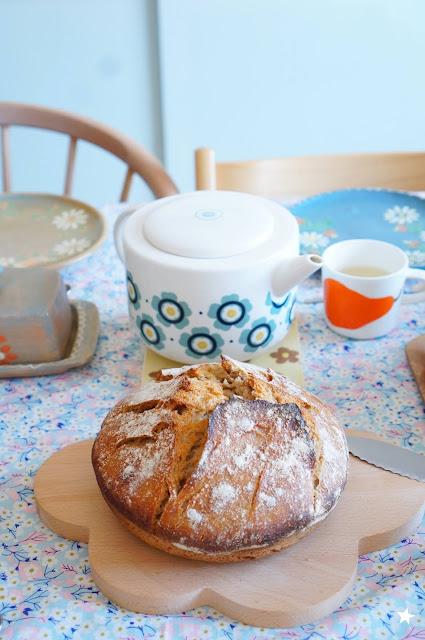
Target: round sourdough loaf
point(221, 462)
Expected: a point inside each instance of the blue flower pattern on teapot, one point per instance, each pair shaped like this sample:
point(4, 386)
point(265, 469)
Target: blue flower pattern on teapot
point(231, 312)
point(230, 315)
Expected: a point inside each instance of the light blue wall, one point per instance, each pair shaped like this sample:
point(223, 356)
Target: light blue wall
point(95, 57)
point(259, 78)
point(251, 78)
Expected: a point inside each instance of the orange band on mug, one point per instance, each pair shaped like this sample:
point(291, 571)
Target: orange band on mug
point(348, 309)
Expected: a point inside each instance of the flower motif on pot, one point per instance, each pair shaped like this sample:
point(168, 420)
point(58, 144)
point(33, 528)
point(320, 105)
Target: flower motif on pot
point(287, 306)
point(152, 334)
point(260, 334)
point(291, 311)
point(276, 307)
point(171, 311)
point(200, 343)
point(6, 355)
point(231, 312)
point(133, 291)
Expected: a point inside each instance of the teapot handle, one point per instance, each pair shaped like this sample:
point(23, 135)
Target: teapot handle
point(118, 230)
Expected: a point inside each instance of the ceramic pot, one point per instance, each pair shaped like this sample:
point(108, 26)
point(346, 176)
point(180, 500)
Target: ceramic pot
point(211, 272)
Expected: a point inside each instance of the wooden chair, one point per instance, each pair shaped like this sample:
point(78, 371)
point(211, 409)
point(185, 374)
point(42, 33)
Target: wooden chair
point(138, 160)
point(310, 175)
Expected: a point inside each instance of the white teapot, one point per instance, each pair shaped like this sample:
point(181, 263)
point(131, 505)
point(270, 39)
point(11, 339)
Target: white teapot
point(211, 272)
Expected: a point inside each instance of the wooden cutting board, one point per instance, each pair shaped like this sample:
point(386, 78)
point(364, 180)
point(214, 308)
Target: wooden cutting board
point(415, 351)
point(296, 586)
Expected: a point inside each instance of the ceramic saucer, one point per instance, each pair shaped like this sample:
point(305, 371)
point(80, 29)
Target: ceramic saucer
point(47, 230)
point(393, 216)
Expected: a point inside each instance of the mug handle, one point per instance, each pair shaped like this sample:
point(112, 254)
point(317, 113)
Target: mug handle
point(416, 274)
point(118, 230)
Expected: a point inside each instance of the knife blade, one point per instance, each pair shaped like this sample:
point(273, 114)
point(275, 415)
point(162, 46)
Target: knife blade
point(388, 456)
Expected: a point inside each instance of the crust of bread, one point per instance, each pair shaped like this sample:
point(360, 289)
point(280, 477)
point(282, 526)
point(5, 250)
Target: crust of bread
point(251, 553)
point(221, 462)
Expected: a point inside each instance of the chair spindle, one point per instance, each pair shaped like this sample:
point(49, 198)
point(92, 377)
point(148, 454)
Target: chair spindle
point(126, 186)
point(70, 165)
point(5, 145)
point(205, 169)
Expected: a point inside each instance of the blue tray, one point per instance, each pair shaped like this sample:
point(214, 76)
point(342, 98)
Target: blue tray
point(393, 216)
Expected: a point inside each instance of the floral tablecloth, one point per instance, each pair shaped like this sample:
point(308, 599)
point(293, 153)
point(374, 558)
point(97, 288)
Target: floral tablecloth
point(46, 587)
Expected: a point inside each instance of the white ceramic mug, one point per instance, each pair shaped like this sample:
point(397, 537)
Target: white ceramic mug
point(363, 282)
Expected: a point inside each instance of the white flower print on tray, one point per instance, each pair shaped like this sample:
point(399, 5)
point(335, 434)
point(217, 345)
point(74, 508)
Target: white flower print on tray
point(71, 246)
point(313, 239)
point(71, 219)
point(401, 215)
point(43, 229)
point(416, 258)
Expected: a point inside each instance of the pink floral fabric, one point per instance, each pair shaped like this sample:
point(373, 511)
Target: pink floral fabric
point(46, 587)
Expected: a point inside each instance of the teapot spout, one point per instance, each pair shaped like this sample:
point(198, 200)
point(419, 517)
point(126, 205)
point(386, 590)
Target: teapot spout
point(291, 272)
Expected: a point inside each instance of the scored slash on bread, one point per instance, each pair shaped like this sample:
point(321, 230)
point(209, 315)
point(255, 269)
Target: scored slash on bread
point(221, 462)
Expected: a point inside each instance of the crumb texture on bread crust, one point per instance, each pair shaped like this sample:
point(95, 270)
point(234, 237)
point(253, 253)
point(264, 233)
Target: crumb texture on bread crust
point(214, 460)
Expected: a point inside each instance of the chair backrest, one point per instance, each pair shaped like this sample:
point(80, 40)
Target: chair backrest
point(310, 175)
point(138, 160)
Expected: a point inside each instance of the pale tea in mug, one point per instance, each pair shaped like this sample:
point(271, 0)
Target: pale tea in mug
point(362, 271)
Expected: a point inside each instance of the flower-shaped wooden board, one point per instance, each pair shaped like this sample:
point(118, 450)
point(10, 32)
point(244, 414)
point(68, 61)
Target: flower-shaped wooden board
point(296, 586)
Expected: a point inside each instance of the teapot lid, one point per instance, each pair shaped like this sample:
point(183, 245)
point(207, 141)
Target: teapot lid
point(209, 224)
